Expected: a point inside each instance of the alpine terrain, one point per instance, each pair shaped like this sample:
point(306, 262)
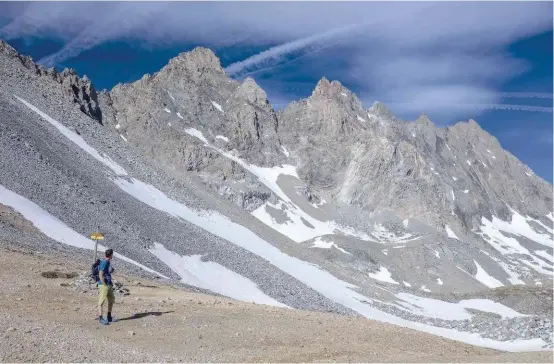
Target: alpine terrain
point(323, 206)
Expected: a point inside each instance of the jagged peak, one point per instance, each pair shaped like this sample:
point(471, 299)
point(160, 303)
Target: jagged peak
point(471, 128)
point(252, 92)
point(200, 60)
point(470, 125)
point(7, 49)
point(379, 108)
point(330, 89)
point(423, 119)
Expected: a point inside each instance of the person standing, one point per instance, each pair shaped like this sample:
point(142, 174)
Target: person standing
point(105, 288)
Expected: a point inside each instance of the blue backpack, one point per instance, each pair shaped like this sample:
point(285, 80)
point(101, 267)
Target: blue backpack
point(95, 273)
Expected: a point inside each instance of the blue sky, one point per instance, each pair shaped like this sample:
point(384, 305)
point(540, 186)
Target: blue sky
point(491, 61)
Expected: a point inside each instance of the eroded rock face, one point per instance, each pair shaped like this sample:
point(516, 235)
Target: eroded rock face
point(78, 89)
point(343, 152)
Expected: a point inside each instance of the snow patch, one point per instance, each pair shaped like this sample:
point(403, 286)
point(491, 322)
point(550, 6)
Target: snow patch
point(170, 95)
point(466, 191)
point(117, 126)
point(314, 277)
point(544, 254)
point(122, 137)
point(54, 228)
point(485, 278)
point(318, 243)
point(547, 228)
point(434, 308)
point(217, 106)
point(519, 226)
point(439, 281)
point(454, 178)
point(385, 236)
point(167, 110)
point(285, 151)
point(437, 254)
point(78, 140)
point(212, 276)
point(406, 284)
point(491, 232)
point(468, 162)
point(179, 115)
point(224, 138)
point(382, 275)
point(295, 228)
point(424, 288)
point(450, 233)
point(360, 119)
point(513, 275)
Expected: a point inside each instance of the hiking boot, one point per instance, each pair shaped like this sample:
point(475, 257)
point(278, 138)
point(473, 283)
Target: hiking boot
point(103, 321)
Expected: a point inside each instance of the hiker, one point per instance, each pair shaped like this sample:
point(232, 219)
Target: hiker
point(105, 288)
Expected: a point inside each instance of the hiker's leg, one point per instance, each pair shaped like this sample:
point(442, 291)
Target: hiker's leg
point(111, 300)
point(102, 295)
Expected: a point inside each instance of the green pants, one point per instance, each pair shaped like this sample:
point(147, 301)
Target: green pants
point(105, 292)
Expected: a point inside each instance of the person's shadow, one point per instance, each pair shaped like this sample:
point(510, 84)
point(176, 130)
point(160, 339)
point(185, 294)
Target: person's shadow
point(144, 314)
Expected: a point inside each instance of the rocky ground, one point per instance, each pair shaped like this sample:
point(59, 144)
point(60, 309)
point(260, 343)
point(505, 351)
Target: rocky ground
point(48, 314)
point(488, 325)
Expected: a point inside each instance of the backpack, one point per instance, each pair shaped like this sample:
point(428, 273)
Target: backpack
point(95, 273)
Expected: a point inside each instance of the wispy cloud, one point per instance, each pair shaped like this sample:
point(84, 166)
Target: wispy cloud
point(443, 107)
point(269, 58)
point(420, 54)
point(526, 95)
point(515, 107)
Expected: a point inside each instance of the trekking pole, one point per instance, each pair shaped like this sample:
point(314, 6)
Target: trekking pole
point(95, 250)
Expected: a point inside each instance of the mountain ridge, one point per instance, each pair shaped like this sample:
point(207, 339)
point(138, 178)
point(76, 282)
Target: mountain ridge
point(302, 205)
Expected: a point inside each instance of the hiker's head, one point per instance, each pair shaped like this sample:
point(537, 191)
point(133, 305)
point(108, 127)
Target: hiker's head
point(109, 254)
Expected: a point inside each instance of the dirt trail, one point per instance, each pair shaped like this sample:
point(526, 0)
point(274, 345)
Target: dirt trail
point(44, 320)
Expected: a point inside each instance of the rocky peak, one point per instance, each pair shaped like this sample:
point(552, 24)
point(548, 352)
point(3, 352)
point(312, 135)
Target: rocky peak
point(338, 101)
point(7, 49)
point(195, 63)
point(469, 129)
point(250, 91)
point(80, 90)
point(26, 61)
point(380, 109)
point(329, 89)
point(424, 120)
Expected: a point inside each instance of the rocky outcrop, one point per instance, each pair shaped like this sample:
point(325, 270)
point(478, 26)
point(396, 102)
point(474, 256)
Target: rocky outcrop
point(79, 90)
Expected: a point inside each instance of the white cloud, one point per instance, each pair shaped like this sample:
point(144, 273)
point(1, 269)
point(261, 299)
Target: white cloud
point(408, 53)
point(272, 56)
point(526, 95)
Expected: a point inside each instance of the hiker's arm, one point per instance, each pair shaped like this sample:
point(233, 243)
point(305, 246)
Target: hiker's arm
point(101, 275)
